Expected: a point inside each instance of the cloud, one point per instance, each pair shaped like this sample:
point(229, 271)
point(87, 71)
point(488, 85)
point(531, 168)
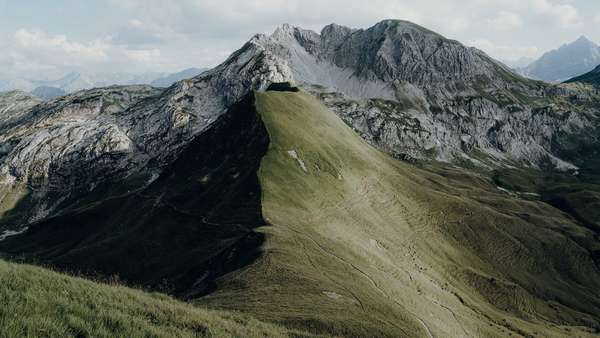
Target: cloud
point(501, 52)
point(138, 32)
point(566, 15)
point(143, 55)
point(506, 21)
point(158, 35)
point(30, 52)
point(59, 46)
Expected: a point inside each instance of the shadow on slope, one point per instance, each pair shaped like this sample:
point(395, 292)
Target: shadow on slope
point(365, 245)
point(192, 224)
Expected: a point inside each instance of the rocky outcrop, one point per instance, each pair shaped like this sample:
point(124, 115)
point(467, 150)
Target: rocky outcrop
point(14, 104)
point(407, 90)
point(416, 94)
point(83, 139)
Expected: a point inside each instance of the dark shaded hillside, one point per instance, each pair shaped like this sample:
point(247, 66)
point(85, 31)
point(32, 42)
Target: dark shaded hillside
point(192, 224)
point(592, 77)
point(358, 243)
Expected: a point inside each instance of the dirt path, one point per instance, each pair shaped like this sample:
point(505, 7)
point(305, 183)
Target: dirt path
point(371, 280)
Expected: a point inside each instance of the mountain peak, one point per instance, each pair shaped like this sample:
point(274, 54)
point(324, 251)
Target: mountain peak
point(287, 33)
point(581, 43)
point(583, 40)
point(285, 30)
point(568, 61)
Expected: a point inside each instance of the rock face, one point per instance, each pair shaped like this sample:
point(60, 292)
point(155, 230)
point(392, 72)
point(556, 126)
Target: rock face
point(568, 61)
point(81, 140)
point(70, 141)
point(407, 90)
point(14, 104)
point(416, 94)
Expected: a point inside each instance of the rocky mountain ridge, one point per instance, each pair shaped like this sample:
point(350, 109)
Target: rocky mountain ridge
point(238, 198)
point(416, 94)
point(405, 89)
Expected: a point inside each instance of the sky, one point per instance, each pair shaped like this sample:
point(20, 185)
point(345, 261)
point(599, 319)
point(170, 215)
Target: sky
point(45, 39)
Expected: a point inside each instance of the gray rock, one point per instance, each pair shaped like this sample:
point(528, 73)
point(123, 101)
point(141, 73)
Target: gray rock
point(405, 89)
point(416, 94)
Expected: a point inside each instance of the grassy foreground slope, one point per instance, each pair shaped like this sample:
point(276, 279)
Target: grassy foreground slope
point(40, 303)
point(365, 245)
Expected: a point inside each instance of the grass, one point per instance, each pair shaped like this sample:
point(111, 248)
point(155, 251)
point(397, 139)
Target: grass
point(576, 195)
point(41, 303)
point(191, 225)
point(352, 242)
point(363, 245)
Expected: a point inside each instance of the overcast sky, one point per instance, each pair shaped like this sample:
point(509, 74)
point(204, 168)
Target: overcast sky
point(48, 38)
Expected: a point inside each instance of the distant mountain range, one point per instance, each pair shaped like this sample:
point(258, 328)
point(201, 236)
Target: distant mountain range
point(566, 62)
point(519, 63)
point(75, 81)
point(168, 80)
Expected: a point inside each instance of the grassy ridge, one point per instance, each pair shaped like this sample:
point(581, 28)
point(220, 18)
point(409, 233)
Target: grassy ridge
point(358, 243)
point(41, 303)
point(364, 245)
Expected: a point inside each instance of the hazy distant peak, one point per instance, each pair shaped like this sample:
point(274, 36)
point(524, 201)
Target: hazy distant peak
point(583, 39)
point(568, 61)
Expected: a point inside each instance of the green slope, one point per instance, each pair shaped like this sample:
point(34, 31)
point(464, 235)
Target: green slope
point(192, 224)
point(39, 303)
point(363, 245)
point(592, 77)
point(280, 211)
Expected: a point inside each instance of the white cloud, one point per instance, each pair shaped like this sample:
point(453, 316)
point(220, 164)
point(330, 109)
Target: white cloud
point(506, 21)
point(138, 32)
point(143, 55)
point(166, 35)
point(58, 45)
point(34, 52)
point(501, 52)
point(566, 15)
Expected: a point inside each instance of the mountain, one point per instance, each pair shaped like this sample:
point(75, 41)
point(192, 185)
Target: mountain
point(354, 182)
point(75, 81)
point(592, 77)
point(10, 84)
point(416, 94)
point(570, 60)
point(47, 92)
point(519, 63)
point(14, 104)
point(305, 185)
point(168, 80)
